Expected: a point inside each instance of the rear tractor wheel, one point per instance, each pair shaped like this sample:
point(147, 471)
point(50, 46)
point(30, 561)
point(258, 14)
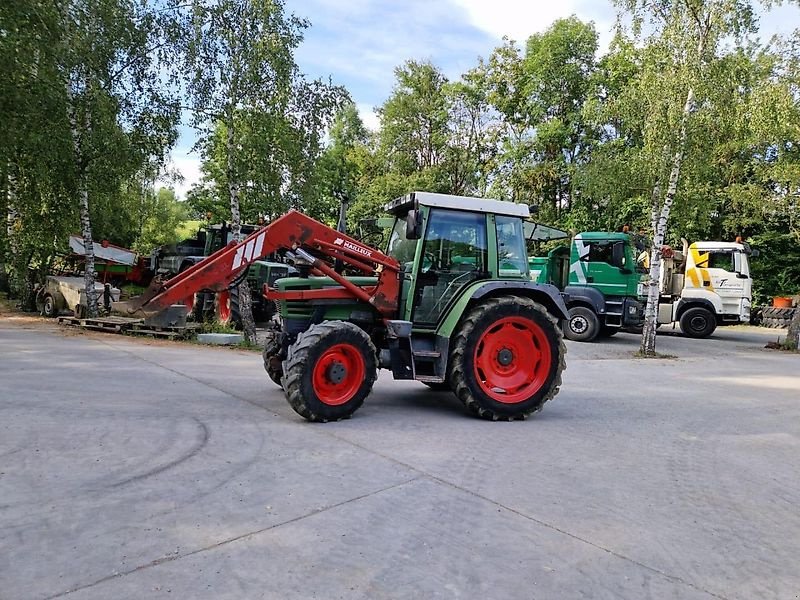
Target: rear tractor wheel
point(507, 359)
point(227, 308)
point(329, 371)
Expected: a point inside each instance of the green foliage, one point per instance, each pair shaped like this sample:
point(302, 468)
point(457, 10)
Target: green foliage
point(85, 114)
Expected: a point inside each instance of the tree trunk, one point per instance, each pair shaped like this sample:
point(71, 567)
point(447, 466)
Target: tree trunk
point(83, 197)
point(245, 300)
point(12, 218)
point(648, 345)
point(793, 335)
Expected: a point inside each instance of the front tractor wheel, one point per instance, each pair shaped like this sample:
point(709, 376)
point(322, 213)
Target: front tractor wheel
point(507, 359)
point(273, 364)
point(329, 371)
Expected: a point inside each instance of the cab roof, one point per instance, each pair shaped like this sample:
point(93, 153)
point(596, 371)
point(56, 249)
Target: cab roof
point(603, 235)
point(402, 205)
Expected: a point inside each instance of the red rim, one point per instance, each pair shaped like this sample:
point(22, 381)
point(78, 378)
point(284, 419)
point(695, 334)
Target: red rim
point(189, 303)
point(224, 306)
point(512, 360)
point(338, 374)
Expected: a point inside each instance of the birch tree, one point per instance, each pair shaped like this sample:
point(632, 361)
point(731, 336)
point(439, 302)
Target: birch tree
point(684, 39)
point(242, 80)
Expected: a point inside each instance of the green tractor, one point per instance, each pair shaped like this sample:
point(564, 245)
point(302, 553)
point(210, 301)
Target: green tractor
point(469, 319)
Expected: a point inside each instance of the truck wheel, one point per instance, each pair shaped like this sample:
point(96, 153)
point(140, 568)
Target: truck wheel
point(507, 359)
point(272, 360)
point(49, 306)
point(227, 308)
point(582, 325)
point(329, 371)
point(698, 322)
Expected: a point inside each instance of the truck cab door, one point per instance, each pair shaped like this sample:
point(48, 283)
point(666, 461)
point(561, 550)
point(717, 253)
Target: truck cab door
point(724, 273)
point(595, 267)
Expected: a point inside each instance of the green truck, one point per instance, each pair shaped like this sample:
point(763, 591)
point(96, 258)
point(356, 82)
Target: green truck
point(599, 274)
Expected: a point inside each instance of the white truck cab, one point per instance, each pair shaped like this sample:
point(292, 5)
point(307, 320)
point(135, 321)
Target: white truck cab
point(706, 285)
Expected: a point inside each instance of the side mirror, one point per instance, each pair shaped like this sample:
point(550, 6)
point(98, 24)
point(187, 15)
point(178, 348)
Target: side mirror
point(618, 254)
point(414, 225)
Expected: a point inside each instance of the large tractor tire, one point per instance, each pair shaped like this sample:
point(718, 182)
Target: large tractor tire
point(507, 359)
point(582, 325)
point(329, 371)
point(226, 308)
point(273, 364)
point(698, 322)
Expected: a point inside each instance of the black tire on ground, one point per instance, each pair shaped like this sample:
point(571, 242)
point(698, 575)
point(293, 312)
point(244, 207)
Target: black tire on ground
point(329, 371)
point(512, 342)
point(698, 322)
point(272, 363)
point(438, 386)
point(198, 313)
point(582, 325)
point(49, 306)
point(226, 308)
point(606, 331)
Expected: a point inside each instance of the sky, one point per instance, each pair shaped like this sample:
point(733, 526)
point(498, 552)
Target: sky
point(358, 43)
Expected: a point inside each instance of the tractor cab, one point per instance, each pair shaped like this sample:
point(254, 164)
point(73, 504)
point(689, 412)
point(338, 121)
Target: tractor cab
point(445, 243)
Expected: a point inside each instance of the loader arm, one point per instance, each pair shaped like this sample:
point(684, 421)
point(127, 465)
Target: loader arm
point(294, 232)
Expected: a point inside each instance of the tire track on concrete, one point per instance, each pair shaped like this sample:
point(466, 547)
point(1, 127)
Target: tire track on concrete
point(332, 434)
point(199, 444)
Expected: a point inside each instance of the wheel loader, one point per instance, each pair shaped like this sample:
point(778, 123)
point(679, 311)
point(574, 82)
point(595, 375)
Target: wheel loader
point(448, 302)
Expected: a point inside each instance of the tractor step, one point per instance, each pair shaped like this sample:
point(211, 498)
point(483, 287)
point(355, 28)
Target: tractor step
point(430, 378)
point(427, 354)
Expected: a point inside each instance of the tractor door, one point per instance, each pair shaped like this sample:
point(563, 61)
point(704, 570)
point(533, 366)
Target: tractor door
point(454, 254)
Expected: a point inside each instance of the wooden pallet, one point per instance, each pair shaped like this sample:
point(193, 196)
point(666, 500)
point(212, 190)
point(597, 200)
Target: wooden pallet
point(111, 324)
point(115, 324)
point(168, 332)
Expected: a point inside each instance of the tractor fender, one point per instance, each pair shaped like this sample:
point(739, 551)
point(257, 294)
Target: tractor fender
point(586, 296)
point(544, 293)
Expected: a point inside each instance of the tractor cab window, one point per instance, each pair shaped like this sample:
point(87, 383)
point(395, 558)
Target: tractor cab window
point(400, 247)
point(512, 256)
point(454, 254)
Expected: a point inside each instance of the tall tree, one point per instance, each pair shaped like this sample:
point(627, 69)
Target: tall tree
point(91, 91)
point(683, 44)
point(260, 122)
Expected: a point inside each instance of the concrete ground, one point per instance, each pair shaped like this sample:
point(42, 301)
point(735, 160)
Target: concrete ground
point(135, 469)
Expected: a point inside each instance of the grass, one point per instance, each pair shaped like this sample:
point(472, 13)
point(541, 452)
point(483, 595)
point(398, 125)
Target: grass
point(640, 354)
point(215, 327)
